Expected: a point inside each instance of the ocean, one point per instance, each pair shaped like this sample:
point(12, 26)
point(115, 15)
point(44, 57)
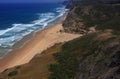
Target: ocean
point(19, 20)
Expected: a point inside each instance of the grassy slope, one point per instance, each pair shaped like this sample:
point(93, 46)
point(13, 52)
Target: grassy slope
point(68, 59)
point(36, 69)
point(104, 17)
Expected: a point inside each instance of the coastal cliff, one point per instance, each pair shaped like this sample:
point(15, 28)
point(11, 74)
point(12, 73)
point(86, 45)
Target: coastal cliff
point(85, 14)
point(101, 57)
point(95, 55)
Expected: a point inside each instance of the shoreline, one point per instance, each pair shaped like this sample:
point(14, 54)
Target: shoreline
point(29, 37)
point(19, 44)
point(41, 41)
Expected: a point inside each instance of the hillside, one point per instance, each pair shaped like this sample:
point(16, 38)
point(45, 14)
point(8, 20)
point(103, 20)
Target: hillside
point(95, 55)
point(37, 68)
point(92, 13)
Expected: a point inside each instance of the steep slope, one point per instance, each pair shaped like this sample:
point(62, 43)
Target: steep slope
point(96, 55)
point(104, 60)
point(93, 56)
point(92, 13)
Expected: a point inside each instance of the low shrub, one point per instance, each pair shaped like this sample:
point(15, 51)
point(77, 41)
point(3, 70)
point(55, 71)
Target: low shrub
point(13, 73)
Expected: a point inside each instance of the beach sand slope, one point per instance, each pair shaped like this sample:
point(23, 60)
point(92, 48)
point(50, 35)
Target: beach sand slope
point(41, 41)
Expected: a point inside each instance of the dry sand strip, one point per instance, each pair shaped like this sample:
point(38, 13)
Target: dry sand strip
point(40, 42)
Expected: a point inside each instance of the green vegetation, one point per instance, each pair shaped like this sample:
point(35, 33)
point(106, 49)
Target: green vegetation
point(68, 58)
point(101, 16)
point(13, 73)
point(65, 63)
point(76, 51)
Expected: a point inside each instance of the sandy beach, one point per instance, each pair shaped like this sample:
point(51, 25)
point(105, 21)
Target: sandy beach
point(41, 41)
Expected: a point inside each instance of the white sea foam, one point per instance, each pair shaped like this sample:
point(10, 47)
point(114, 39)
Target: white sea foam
point(12, 35)
point(7, 30)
